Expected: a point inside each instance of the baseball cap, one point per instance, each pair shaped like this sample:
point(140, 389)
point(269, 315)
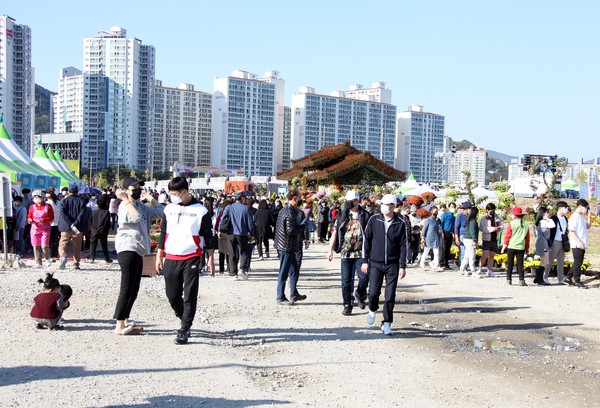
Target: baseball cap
point(352, 195)
point(388, 199)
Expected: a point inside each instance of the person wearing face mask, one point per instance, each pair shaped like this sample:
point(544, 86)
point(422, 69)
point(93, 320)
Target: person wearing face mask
point(579, 223)
point(39, 217)
point(558, 234)
point(323, 221)
point(489, 225)
point(447, 219)
point(20, 220)
point(132, 242)
point(347, 240)
point(185, 229)
point(384, 255)
point(72, 211)
point(430, 237)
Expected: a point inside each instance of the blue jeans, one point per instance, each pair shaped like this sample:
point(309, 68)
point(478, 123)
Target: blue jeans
point(350, 268)
point(288, 266)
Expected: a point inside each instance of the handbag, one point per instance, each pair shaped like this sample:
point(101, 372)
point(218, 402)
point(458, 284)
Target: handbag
point(225, 223)
point(565, 239)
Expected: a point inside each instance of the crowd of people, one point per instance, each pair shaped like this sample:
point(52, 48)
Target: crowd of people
point(375, 240)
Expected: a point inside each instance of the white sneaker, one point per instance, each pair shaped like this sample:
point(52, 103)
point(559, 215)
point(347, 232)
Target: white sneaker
point(386, 328)
point(48, 263)
point(477, 271)
point(371, 318)
point(462, 272)
point(491, 273)
point(477, 275)
point(547, 281)
point(36, 266)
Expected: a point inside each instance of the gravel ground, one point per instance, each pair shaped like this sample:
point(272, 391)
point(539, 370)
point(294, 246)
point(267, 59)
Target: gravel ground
point(459, 342)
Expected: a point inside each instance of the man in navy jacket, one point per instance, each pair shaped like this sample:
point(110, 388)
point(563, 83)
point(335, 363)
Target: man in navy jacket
point(384, 252)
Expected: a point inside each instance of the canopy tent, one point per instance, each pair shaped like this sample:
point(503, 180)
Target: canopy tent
point(14, 161)
point(53, 167)
point(408, 186)
point(483, 192)
point(423, 188)
point(61, 164)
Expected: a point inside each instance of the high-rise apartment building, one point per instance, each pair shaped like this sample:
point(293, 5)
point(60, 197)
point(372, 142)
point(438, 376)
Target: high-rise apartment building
point(360, 118)
point(67, 104)
point(17, 82)
point(471, 159)
point(247, 123)
point(376, 93)
point(287, 139)
point(420, 144)
point(182, 127)
point(118, 126)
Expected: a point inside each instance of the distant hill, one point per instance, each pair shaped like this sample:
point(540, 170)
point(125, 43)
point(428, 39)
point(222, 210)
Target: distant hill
point(43, 109)
point(506, 158)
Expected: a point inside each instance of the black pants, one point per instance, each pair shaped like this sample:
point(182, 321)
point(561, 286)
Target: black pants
point(575, 271)
point(520, 254)
point(323, 230)
point(131, 264)
point(448, 241)
point(181, 284)
point(222, 257)
point(103, 242)
point(377, 272)
point(260, 240)
point(54, 238)
point(237, 245)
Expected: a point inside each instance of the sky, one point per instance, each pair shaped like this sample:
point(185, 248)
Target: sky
point(512, 76)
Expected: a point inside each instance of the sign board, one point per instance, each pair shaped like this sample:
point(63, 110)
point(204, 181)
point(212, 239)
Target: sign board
point(6, 196)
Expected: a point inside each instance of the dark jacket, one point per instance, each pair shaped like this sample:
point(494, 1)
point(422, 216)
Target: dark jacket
point(100, 223)
point(385, 248)
point(71, 212)
point(263, 220)
point(342, 220)
point(289, 232)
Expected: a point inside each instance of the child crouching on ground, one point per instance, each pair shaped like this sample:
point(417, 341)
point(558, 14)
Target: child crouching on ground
point(49, 304)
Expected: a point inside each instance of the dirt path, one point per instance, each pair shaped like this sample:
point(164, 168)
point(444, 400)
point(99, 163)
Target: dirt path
point(248, 351)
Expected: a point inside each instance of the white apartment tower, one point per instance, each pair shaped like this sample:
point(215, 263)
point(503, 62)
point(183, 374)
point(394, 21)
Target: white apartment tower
point(182, 127)
point(247, 123)
point(420, 144)
point(17, 82)
point(67, 104)
point(118, 101)
point(364, 117)
point(472, 159)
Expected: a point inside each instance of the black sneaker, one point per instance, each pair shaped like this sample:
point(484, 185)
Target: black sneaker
point(299, 297)
point(40, 326)
point(579, 285)
point(109, 261)
point(347, 310)
point(569, 280)
point(76, 267)
point(182, 336)
point(360, 301)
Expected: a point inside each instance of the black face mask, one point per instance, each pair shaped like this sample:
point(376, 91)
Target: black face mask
point(136, 193)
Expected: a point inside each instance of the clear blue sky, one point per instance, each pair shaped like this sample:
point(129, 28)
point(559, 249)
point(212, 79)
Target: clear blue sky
point(512, 76)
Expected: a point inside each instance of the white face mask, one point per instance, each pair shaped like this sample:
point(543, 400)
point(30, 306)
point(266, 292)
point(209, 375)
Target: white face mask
point(404, 212)
point(38, 200)
point(385, 209)
point(584, 210)
point(175, 199)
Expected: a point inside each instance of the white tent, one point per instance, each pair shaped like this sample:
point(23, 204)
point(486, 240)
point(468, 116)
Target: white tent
point(483, 192)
